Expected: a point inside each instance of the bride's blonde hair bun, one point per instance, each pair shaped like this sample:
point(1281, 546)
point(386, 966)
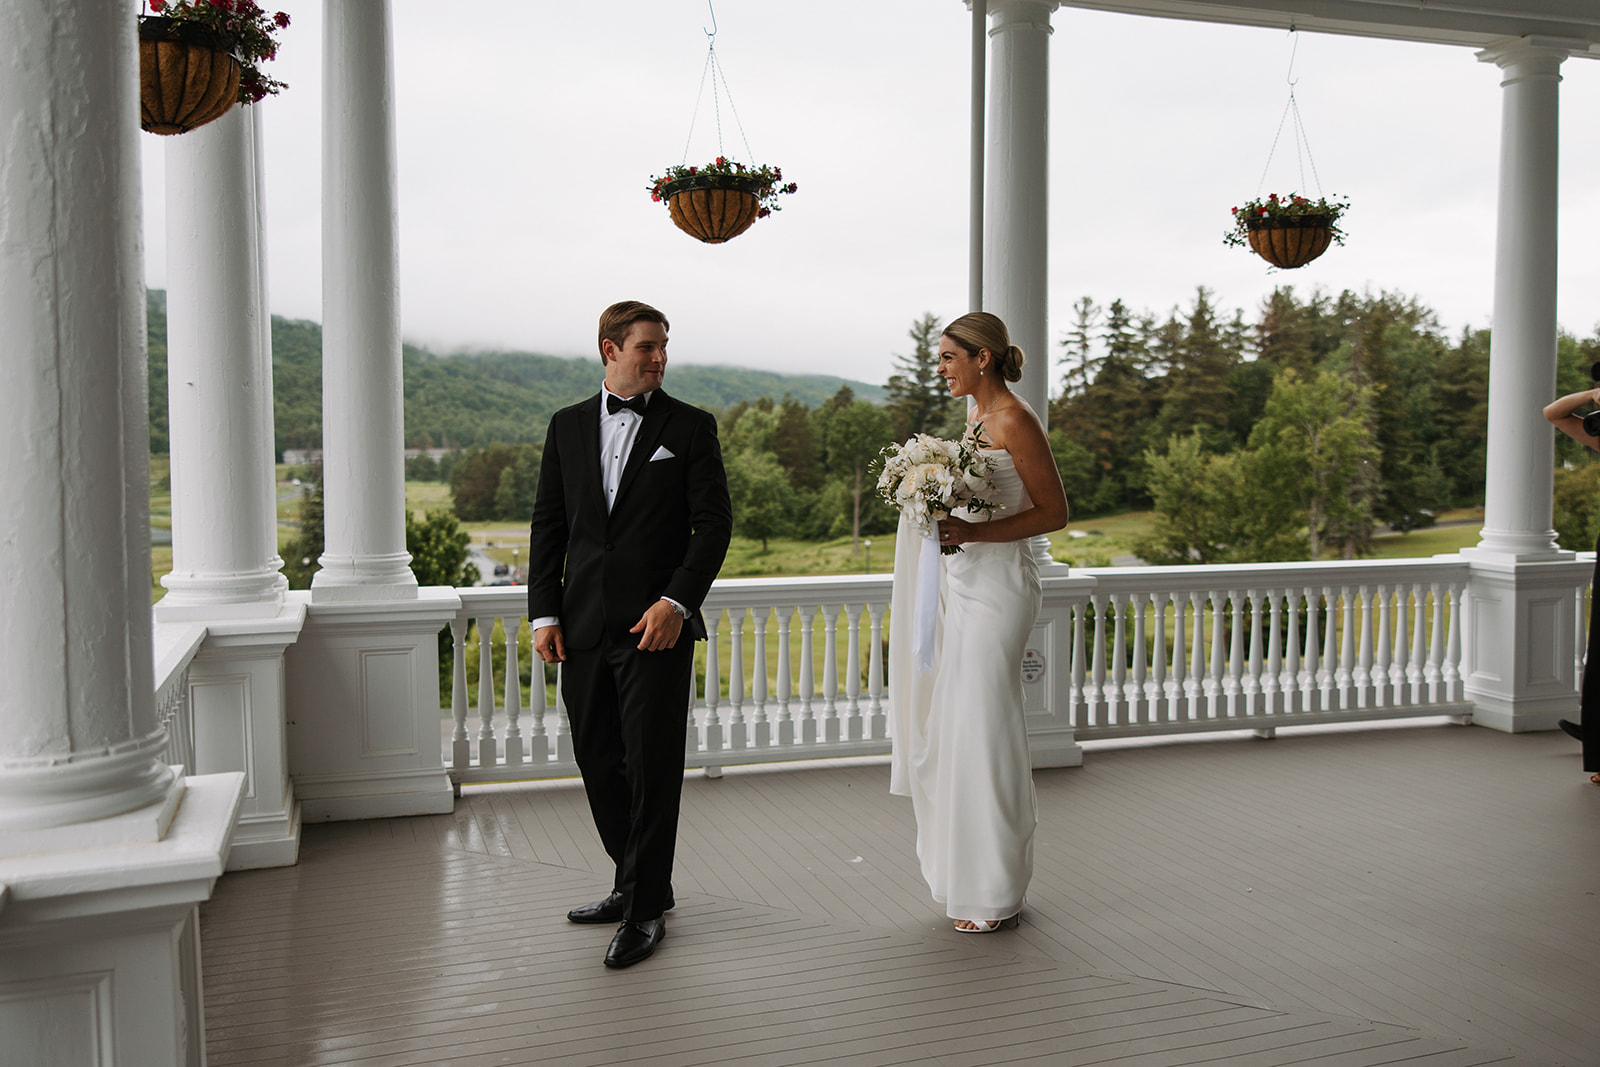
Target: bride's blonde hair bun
point(978, 330)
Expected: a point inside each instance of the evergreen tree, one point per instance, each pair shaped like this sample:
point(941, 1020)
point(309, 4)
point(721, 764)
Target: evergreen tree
point(794, 445)
point(476, 479)
point(918, 398)
point(439, 550)
point(301, 555)
point(1077, 348)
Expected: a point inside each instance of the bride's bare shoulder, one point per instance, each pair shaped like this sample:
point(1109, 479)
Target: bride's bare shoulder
point(1008, 425)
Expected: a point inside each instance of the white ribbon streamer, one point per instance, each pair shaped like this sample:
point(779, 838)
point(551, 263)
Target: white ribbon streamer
point(927, 610)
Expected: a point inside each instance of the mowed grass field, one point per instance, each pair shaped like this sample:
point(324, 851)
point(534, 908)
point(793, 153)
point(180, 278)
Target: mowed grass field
point(1088, 542)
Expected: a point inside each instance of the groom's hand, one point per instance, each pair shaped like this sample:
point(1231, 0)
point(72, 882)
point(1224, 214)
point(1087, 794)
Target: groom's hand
point(660, 626)
point(548, 643)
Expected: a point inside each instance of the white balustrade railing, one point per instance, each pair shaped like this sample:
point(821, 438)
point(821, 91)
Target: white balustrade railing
point(174, 647)
point(794, 668)
point(1258, 646)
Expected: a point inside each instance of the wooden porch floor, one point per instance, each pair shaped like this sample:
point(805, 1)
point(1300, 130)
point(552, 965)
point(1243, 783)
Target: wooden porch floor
point(1418, 894)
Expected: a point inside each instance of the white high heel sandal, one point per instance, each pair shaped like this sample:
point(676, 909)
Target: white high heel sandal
point(988, 926)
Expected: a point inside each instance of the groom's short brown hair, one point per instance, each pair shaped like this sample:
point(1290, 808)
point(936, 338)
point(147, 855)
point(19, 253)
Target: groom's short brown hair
point(618, 319)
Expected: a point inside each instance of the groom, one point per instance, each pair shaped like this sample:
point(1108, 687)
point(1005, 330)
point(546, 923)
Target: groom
point(630, 524)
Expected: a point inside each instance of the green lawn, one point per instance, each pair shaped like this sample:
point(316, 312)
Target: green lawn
point(1086, 542)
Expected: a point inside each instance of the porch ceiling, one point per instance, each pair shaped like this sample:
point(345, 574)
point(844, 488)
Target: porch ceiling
point(1472, 23)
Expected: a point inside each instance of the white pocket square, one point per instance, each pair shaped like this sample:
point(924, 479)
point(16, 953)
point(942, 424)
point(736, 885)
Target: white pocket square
point(662, 452)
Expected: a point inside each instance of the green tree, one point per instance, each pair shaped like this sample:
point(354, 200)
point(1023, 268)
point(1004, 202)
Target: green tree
point(918, 399)
point(754, 432)
point(438, 547)
point(1577, 506)
point(1077, 348)
point(794, 445)
point(856, 434)
point(476, 479)
point(301, 554)
point(760, 494)
point(513, 497)
point(1317, 431)
point(1233, 508)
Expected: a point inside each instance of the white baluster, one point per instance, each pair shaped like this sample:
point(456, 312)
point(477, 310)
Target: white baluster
point(1344, 677)
point(1096, 694)
point(808, 676)
point(830, 674)
point(1330, 650)
point(1294, 698)
point(1272, 685)
point(538, 704)
point(512, 627)
point(1077, 697)
point(1214, 672)
point(1194, 685)
point(1452, 651)
point(1232, 684)
point(1117, 694)
point(1160, 704)
point(1310, 673)
point(1140, 711)
point(1362, 677)
point(564, 751)
point(1419, 646)
point(460, 746)
point(1180, 662)
point(785, 683)
point(758, 678)
point(487, 754)
point(1382, 684)
point(852, 679)
point(878, 725)
point(713, 622)
point(1402, 638)
point(738, 736)
point(1250, 684)
point(1432, 674)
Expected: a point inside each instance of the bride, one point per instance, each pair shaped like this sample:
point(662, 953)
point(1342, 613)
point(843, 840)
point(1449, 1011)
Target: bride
point(960, 742)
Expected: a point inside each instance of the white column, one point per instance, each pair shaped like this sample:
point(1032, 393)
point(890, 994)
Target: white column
point(79, 737)
point(1522, 352)
point(363, 424)
point(1015, 230)
point(1520, 640)
point(224, 510)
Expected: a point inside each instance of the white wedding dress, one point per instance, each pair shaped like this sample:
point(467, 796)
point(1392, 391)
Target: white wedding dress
point(959, 740)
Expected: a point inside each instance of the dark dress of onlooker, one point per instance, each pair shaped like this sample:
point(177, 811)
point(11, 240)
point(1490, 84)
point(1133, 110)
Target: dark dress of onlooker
point(1562, 414)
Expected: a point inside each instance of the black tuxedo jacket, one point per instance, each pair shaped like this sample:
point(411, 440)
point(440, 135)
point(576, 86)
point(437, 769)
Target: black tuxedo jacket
point(666, 533)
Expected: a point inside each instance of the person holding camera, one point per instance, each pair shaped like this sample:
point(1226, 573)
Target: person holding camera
point(1585, 429)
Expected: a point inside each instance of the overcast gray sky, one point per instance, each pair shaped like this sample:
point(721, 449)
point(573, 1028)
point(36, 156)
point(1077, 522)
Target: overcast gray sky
point(526, 143)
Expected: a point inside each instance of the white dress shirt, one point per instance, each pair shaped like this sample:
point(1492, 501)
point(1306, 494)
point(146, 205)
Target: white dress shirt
point(617, 434)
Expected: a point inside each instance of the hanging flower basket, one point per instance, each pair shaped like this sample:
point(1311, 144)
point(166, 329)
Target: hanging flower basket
point(718, 202)
point(1289, 231)
point(188, 76)
point(1290, 243)
point(714, 207)
point(197, 58)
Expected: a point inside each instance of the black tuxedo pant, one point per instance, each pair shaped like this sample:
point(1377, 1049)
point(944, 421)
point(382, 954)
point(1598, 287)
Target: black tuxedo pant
point(628, 710)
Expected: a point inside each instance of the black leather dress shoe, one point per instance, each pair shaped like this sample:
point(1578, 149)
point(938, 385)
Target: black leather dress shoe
point(609, 910)
point(635, 941)
point(1573, 729)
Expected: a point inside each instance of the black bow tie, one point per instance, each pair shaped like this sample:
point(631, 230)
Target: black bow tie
point(634, 404)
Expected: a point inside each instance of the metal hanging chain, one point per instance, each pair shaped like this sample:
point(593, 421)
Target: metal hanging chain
point(1302, 144)
point(714, 70)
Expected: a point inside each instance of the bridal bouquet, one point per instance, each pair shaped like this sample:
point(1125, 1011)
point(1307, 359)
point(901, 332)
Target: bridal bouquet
point(928, 477)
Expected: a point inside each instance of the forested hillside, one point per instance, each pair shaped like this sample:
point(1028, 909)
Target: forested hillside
point(468, 400)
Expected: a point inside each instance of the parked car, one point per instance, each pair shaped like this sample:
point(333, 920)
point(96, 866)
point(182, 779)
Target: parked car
point(501, 569)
